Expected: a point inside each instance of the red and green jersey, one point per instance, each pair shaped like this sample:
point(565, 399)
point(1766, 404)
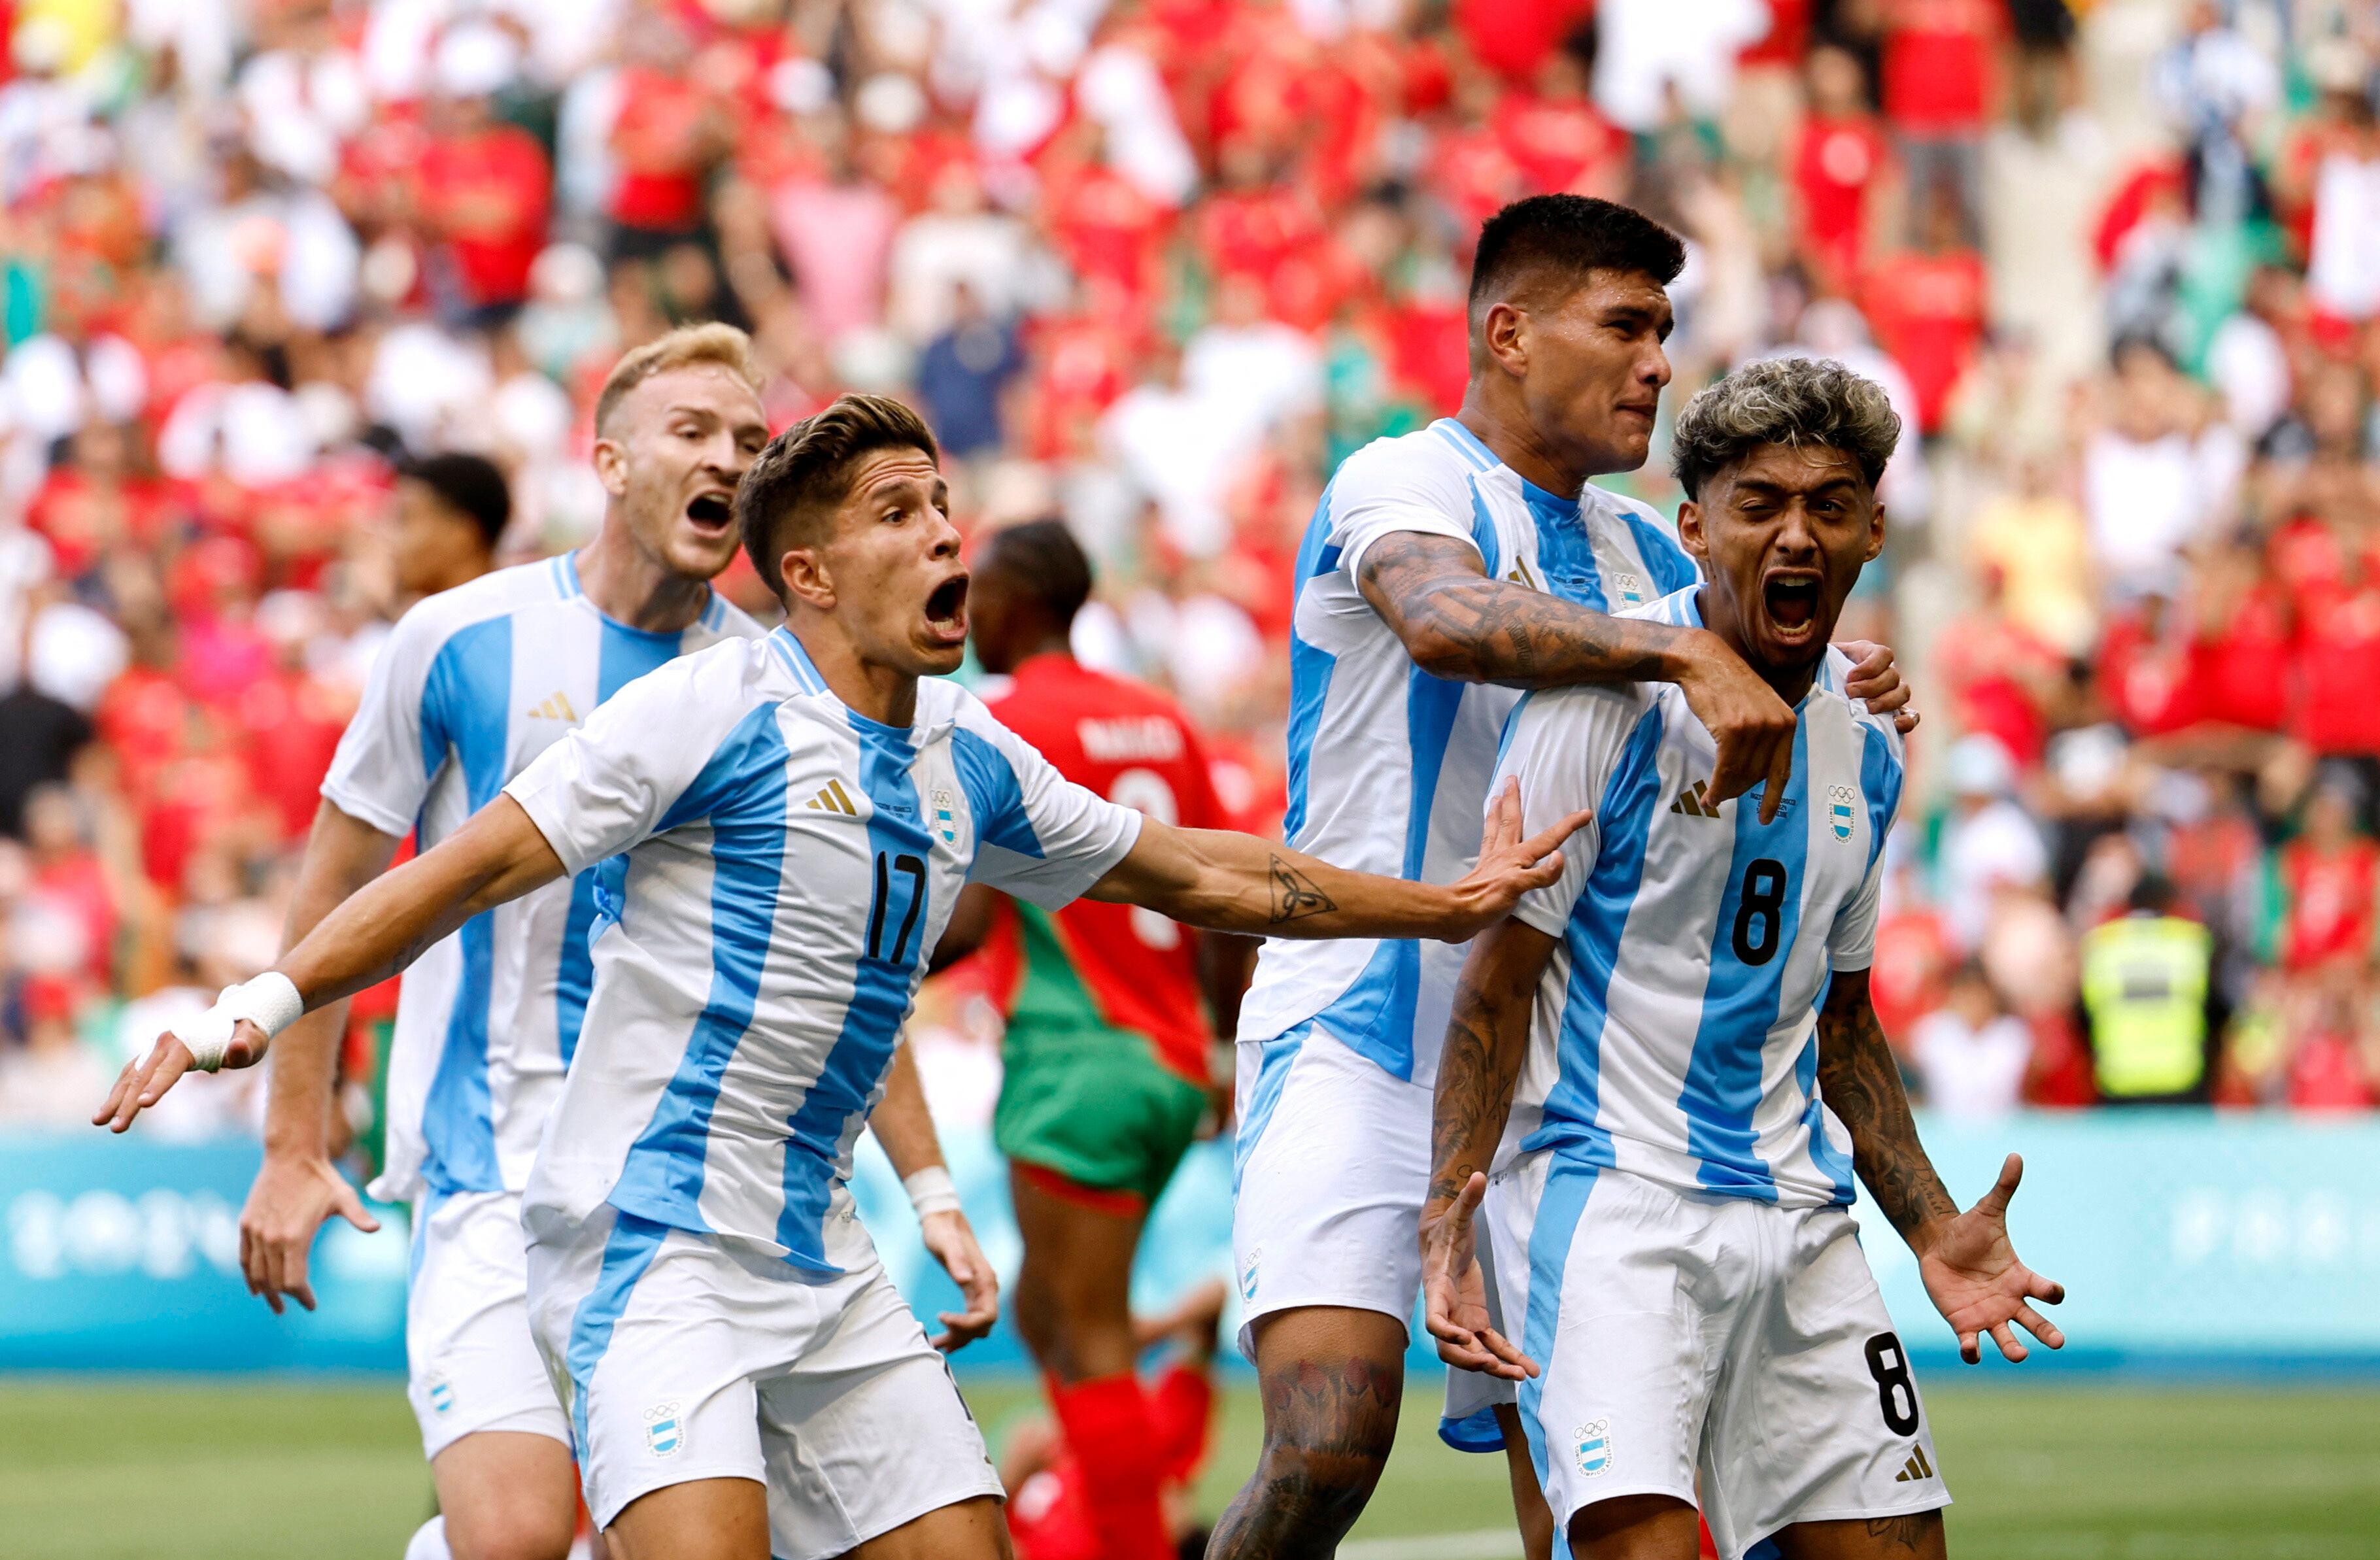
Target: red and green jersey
point(1112, 966)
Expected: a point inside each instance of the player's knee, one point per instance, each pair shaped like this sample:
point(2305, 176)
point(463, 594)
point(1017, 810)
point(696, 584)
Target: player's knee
point(517, 1533)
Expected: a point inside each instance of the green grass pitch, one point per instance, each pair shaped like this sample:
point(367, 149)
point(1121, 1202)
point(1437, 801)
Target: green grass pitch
point(110, 1469)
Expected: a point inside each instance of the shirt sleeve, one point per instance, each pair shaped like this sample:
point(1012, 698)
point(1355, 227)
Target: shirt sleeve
point(1384, 488)
point(1038, 835)
point(393, 748)
point(1564, 747)
point(658, 753)
point(1850, 943)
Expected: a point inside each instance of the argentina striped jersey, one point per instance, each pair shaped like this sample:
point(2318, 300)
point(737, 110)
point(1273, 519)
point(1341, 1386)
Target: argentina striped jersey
point(1387, 765)
point(1675, 1026)
point(472, 685)
point(775, 869)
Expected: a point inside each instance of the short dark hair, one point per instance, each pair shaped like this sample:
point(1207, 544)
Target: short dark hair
point(1797, 401)
point(1570, 235)
point(468, 484)
point(1047, 562)
point(805, 472)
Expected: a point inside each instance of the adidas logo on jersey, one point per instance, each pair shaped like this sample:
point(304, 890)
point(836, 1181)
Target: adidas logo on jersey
point(555, 707)
point(833, 800)
point(1694, 801)
point(1916, 1470)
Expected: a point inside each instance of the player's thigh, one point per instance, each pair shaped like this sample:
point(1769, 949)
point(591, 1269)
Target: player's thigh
point(507, 1495)
point(1529, 1510)
point(1332, 1380)
point(866, 1431)
point(1819, 1419)
point(1644, 1526)
point(474, 1366)
point(972, 1530)
point(1915, 1535)
point(702, 1520)
point(1329, 1173)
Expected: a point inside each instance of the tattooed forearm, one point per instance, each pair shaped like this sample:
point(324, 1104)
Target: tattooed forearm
point(1860, 1081)
point(1294, 895)
point(1487, 1039)
point(1458, 623)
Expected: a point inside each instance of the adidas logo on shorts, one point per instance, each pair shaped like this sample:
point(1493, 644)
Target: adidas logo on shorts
point(1916, 1469)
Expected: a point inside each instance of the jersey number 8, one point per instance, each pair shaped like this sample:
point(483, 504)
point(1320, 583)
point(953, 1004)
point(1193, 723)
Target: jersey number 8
point(1760, 910)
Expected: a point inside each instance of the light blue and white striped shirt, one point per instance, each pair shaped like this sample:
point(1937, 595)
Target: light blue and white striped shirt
point(1675, 1032)
point(775, 869)
point(1387, 765)
point(473, 683)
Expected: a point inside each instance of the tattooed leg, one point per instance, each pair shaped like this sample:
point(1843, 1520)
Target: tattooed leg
point(1915, 1536)
point(1331, 1379)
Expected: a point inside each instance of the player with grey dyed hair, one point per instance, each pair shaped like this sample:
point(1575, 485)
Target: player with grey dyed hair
point(1803, 402)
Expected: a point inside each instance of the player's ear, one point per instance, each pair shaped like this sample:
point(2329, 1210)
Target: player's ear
point(1506, 333)
point(807, 577)
point(1875, 533)
point(611, 466)
point(1690, 532)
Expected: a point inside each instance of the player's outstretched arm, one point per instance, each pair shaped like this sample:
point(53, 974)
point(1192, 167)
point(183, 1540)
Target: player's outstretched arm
point(496, 857)
point(905, 1128)
point(298, 1189)
point(1970, 1268)
point(1228, 882)
point(1487, 1039)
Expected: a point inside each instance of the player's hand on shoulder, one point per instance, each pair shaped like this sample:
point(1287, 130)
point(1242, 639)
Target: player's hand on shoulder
point(1511, 863)
point(293, 1197)
point(951, 1239)
point(145, 1079)
point(1455, 1291)
point(1972, 1274)
point(1753, 727)
point(1875, 682)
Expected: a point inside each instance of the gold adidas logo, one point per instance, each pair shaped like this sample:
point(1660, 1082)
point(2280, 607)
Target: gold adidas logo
point(1519, 574)
point(556, 708)
point(833, 800)
point(1916, 1470)
point(1694, 801)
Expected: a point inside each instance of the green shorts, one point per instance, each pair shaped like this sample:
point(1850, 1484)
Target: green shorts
point(1096, 1106)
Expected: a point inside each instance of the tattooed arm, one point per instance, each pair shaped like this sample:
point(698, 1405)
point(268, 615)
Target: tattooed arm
point(1227, 882)
point(1487, 1039)
point(1970, 1268)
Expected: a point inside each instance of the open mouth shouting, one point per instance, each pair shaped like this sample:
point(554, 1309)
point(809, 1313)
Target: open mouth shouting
point(711, 511)
point(946, 612)
point(1789, 601)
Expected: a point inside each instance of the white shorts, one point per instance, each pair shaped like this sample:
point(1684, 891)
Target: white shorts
point(1329, 1175)
point(1677, 1334)
point(473, 1364)
point(683, 1356)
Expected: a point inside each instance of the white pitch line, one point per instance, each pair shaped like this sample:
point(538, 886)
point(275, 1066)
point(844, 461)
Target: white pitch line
point(1484, 1544)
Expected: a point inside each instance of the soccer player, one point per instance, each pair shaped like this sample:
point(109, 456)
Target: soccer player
point(782, 828)
point(475, 682)
point(1105, 1058)
point(1442, 572)
point(1679, 1033)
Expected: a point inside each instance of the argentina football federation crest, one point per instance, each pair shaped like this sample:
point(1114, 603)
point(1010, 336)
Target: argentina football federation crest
point(1591, 1445)
point(1841, 797)
point(945, 824)
point(664, 1429)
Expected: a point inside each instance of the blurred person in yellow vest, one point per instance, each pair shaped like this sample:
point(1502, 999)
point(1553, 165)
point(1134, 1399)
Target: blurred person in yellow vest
point(2147, 981)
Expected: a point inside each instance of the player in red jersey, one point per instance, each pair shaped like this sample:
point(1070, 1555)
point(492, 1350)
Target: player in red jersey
point(1111, 1014)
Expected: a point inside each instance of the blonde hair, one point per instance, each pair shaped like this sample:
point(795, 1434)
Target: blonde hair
point(682, 348)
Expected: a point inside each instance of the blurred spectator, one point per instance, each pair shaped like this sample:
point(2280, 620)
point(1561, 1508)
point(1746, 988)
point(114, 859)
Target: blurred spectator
point(52, 1080)
point(2147, 984)
point(1970, 1052)
point(1989, 842)
point(962, 375)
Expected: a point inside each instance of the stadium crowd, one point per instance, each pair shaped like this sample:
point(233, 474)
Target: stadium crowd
point(1155, 267)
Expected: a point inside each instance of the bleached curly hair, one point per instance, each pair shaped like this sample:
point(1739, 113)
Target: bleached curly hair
point(1793, 401)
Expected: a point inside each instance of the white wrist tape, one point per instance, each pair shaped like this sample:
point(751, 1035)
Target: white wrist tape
point(269, 1001)
point(931, 1191)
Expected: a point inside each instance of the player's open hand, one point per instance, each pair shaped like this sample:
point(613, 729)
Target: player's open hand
point(1753, 727)
point(1509, 864)
point(1976, 1281)
point(292, 1199)
point(1875, 682)
point(145, 1080)
point(1454, 1292)
point(951, 1241)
